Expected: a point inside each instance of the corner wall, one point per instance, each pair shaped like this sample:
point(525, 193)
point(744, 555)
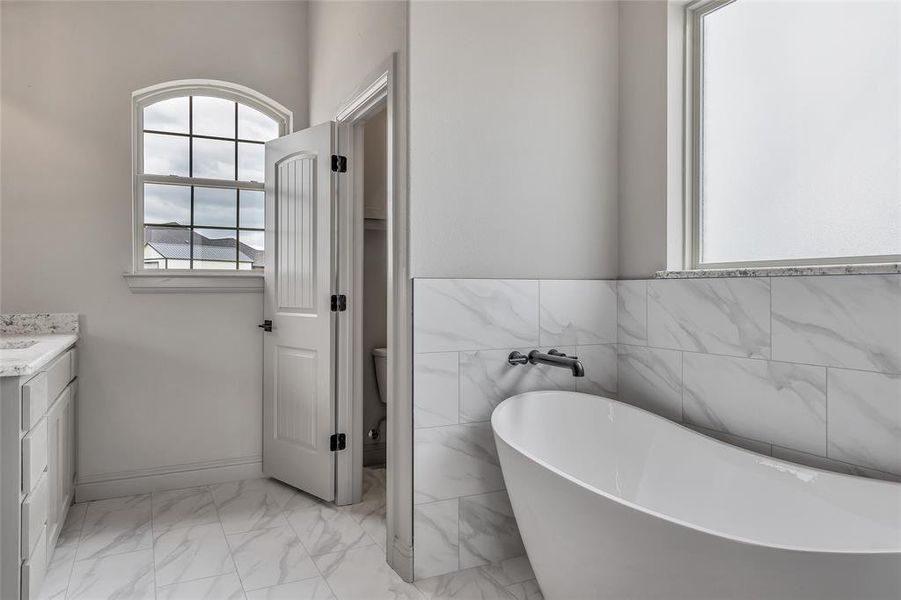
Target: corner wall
point(464, 329)
point(348, 42)
point(642, 138)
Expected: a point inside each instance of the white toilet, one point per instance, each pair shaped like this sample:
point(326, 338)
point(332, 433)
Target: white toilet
point(380, 358)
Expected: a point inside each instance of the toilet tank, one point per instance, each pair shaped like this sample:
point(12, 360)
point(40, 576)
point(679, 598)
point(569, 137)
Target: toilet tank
point(380, 358)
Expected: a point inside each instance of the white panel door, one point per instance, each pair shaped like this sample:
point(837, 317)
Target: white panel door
point(299, 352)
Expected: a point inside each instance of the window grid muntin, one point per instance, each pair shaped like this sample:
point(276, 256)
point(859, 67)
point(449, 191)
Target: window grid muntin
point(193, 182)
point(192, 226)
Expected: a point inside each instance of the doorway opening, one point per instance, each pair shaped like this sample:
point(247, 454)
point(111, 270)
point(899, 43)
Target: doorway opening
point(374, 294)
point(337, 307)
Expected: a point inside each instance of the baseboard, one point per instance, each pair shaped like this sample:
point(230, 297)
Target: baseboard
point(172, 477)
point(374, 454)
point(400, 558)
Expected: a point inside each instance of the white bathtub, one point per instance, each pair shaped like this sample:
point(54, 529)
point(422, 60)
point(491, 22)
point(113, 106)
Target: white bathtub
point(614, 502)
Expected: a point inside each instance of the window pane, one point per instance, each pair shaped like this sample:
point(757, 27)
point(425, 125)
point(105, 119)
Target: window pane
point(801, 131)
point(215, 207)
point(254, 125)
point(250, 161)
point(214, 116)
point(252, 249)
point(167, 248)
point(214, 159)
point(215, 248)
point(167, 115)
point(167, 204)
point(252, 211)
point(165, 154)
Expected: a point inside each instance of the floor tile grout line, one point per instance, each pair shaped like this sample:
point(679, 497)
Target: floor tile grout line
point(344, 512)
point(227, 545)
point(153, 547)
point(75, 552)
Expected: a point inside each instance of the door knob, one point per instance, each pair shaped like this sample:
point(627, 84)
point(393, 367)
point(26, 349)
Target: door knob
point(266, 325)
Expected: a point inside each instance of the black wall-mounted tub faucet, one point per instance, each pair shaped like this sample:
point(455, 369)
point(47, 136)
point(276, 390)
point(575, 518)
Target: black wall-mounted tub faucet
point(553, 358)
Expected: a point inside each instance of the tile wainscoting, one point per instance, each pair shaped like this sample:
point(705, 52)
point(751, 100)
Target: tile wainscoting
point(806, 369)
point(463, 330)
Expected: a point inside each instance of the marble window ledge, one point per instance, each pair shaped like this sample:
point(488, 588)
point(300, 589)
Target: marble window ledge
point(788, 271)
point(163, 282)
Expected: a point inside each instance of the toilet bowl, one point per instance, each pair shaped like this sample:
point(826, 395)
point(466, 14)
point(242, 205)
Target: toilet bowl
point(380, 358)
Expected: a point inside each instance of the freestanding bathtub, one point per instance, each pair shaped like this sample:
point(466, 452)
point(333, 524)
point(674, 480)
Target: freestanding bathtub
point(614, 502)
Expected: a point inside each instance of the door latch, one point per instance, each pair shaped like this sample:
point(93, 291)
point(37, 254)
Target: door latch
point(266, 325)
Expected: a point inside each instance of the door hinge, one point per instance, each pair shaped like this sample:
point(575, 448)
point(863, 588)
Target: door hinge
point(338, 441)
point(339, 163)
point(339, 303)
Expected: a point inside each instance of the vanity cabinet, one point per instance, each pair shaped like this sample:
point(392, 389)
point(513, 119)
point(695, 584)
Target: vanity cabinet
point(37, 471)
point(60, 461)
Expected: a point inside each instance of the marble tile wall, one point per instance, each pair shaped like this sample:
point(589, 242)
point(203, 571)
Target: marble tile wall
point(463, 331)
point(805, 368)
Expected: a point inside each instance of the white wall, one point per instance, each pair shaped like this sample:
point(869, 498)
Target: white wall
point(642, 138)
point(513, 139)
point(166, 379)
point(348, 42)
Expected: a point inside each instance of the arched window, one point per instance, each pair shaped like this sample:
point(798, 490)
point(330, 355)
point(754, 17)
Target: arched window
point(198, 175)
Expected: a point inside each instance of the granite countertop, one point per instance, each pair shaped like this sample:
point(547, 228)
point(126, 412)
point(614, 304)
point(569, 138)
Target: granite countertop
point(786, 271)
point(24, 358)
point(51, 334)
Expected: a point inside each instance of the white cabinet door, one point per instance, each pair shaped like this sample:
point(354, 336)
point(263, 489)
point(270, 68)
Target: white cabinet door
point(54, 440)
point(69, 454)
point(59, 450)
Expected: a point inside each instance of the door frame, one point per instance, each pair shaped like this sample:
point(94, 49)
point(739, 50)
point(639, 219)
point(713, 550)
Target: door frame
point(383, 89)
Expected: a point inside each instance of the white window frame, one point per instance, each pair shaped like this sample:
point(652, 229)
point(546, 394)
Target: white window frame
point(693, 90)
point(141, 279)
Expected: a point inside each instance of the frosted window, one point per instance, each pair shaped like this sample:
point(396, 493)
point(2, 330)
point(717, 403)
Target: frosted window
point(801, 131)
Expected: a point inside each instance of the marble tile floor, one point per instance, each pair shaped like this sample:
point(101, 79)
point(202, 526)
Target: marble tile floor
point(250, 540)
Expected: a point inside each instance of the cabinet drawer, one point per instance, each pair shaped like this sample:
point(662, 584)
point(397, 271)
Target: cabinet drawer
point(34, 455)
point(34, 569)
point(59, 374)
point(34, 517)
point(34, 400)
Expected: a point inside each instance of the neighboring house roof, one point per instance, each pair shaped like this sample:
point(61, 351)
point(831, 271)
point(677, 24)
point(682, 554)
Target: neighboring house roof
point(201, 252)
point(174, 242)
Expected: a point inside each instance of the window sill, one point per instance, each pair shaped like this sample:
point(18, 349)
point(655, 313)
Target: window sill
point(175, 283)
point(865, 269)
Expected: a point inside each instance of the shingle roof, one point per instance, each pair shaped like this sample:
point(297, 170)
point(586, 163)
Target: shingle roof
point(201, 252)
point(173, 242)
